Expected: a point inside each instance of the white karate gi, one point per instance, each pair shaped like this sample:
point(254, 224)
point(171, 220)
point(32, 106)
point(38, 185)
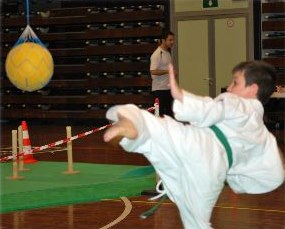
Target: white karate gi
point(191, 160)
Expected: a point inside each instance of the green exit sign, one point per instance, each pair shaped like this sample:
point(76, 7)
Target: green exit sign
point(210, 3)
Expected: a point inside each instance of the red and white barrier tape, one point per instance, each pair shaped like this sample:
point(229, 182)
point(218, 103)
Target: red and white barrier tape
point(60, 142)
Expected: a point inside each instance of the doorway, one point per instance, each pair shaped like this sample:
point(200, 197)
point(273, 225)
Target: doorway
point(208, 48)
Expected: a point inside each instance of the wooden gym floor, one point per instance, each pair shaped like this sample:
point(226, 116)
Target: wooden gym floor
point(266, 211)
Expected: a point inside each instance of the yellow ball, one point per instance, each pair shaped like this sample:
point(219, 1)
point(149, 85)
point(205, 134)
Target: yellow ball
point(29, 66)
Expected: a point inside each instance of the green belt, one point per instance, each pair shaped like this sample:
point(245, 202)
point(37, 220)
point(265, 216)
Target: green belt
point(220, 135)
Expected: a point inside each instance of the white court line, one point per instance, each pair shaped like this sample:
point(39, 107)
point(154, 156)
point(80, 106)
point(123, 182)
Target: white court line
point(126, 212)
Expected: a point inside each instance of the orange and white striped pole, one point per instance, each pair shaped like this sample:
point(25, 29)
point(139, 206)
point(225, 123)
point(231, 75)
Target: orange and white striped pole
point(20, 149)
point(156, 114)
point(156, 107)
point(27, 145)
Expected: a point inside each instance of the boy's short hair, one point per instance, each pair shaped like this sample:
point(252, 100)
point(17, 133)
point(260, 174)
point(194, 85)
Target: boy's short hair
point(261, 73)
point(165, 34)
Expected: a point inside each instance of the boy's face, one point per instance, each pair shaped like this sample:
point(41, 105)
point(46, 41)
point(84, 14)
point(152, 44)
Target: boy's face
point(238, 86)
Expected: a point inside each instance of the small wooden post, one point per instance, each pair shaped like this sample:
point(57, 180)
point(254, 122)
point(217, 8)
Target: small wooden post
point(16, 220)
point(70, 216)
point(70, 169)
point(15, 175)
point(20, 143)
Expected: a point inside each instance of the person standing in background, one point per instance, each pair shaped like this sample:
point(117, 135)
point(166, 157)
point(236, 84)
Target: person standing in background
point(159, 62)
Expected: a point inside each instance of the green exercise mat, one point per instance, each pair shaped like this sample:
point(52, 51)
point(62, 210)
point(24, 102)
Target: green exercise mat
point(46, 185)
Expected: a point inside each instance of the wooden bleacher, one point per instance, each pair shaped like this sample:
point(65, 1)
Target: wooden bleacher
point(271, 50)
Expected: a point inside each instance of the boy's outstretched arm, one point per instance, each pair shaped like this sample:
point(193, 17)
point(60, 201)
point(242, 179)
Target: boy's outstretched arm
point(176, 91)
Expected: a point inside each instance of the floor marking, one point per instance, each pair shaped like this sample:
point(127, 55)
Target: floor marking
point(252, 209)
point(126, 212)
point(139, 201)
point(217, 206)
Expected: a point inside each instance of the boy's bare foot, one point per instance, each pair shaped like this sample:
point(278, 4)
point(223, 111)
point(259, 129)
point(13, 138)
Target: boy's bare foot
point(123, 128)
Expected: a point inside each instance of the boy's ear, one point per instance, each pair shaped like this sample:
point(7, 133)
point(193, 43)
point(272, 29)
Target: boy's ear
point(254, 89)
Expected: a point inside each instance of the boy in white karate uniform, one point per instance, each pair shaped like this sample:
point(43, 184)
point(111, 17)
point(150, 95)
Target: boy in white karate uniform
point(226, 141)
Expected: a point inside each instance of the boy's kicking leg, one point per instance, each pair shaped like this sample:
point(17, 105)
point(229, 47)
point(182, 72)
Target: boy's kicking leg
point(187, 159)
